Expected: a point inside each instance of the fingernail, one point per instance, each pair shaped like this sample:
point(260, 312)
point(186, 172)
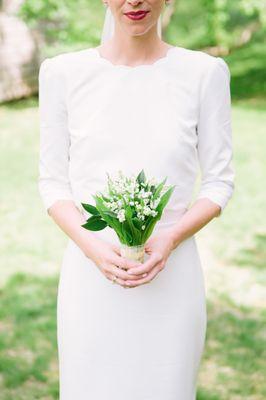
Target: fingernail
point(130, 272)
point(144, 275)
point(128, 283)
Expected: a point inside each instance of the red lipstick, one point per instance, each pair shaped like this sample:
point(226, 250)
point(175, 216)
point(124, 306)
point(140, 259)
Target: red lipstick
point(136, 15)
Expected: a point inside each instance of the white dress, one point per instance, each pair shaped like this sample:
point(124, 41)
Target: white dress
point(171, 118)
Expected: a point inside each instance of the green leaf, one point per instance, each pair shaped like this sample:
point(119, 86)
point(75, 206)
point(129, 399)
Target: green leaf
point(153, 187)
point(110, 213)
point(126, 232)
point(134, 232)
point(141, 177)
point(91, 209)
point(106, 199)
point(149, 228)
point(150, 224)
point(164, 199)
point(137, 223)
point(94, 223)
point(114, 223)
point(159, 189)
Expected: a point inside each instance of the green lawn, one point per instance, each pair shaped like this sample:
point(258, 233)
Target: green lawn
point(232, 249)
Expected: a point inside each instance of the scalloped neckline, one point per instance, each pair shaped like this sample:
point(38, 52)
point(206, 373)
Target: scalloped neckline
point(156, 62)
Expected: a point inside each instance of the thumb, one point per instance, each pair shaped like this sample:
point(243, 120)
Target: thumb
point(148, 247)
point(152, 260)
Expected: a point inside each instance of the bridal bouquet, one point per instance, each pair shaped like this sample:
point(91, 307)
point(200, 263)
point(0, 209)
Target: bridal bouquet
point(131, 206)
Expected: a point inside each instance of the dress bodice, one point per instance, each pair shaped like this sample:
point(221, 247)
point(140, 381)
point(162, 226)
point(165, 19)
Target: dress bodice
point(171, 118)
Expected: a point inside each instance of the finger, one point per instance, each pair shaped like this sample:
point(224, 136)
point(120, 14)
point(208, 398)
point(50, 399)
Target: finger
point(116, 249)
point(130, 276)
point(118, 280)
point(151, 275)
point(122, 272)
point(124, 263)
point(131, 263)
point(115, 270)
point(147, 266)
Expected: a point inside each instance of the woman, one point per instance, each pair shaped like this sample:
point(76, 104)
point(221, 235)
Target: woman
point(133, 103)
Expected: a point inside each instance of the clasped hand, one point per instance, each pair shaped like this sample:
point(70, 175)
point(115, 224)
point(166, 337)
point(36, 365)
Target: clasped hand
point(159, 247)
point(130, 273)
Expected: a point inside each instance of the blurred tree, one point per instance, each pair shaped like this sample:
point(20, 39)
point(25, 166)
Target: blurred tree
point(223, 16)
point(219, 25)
point(61, 21)
point(231, 23)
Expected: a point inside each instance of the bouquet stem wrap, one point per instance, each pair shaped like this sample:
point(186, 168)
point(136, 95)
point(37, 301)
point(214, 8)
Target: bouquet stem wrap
point(135, 253)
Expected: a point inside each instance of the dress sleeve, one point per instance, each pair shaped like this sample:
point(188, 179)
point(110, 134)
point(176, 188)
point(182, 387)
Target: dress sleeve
point(214, 147)
point(53, 179)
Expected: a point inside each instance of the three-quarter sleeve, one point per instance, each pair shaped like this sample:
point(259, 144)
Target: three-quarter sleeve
point(53, 179)
point(214, 147)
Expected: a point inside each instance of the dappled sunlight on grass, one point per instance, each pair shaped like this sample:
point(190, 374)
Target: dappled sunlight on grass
point(234, 358)
point(29, 239)
point(253, 256)
point(28, 357)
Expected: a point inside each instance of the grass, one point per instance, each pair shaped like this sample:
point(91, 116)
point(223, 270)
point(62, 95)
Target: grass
point(28, 239)
point(232, 250)
point(234, 358)
point(28, 366)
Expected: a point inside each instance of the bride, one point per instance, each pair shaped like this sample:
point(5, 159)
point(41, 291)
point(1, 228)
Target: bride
point(134, 102)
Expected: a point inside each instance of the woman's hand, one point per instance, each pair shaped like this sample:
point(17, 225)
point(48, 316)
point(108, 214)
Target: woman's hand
point(159, 248)
point(107, 258)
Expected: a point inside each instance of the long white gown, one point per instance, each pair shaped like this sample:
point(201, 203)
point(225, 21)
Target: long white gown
point(172, 119)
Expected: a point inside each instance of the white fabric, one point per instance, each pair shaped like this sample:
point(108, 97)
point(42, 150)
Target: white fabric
point(109, 25)
point(171, 118)
point(142, 343)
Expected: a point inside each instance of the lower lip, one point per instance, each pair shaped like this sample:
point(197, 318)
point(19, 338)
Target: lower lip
point(137, 16)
